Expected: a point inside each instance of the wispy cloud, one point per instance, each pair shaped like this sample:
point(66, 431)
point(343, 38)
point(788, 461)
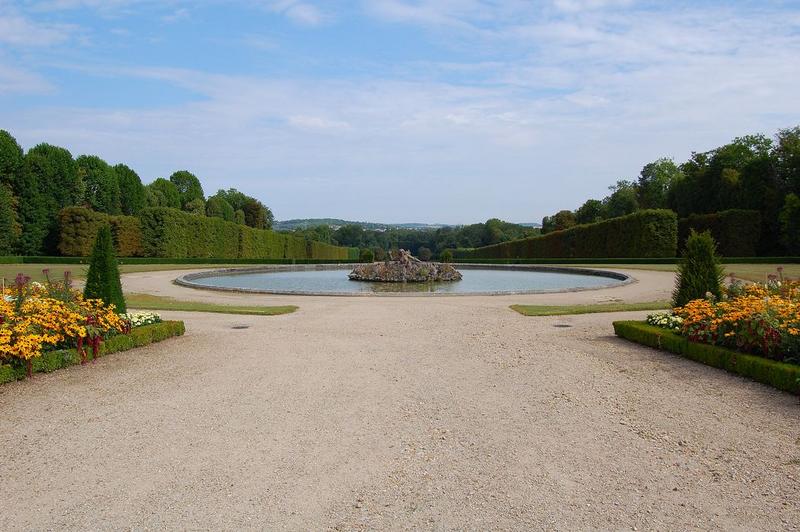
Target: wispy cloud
point(302, 13)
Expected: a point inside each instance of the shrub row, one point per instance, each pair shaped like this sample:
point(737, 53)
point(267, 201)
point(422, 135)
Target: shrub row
point(644, 234)
point(169, 233)
point(779, 375)
point(53, 360)
point(78, 227)
point(736, 231)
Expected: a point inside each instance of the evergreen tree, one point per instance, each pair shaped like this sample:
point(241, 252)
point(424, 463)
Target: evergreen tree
point(11, 157)
point(131, 190)
point(163, 193)
point(790, 224)
point(699, 272)
point(102, 281)
point(217, 207)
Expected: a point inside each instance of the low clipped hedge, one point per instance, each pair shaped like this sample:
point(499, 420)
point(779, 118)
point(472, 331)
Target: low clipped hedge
point(53, 360)
point(737, 231)
point(779, 375)
point(644, 234)
point(161, 232)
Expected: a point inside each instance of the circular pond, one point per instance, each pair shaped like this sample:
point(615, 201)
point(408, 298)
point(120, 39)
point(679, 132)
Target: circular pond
point(478, 280)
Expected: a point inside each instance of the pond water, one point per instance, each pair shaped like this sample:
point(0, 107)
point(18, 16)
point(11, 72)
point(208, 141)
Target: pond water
point(475, 281)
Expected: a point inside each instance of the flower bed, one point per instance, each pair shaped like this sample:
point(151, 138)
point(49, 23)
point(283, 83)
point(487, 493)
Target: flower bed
point(37, 320)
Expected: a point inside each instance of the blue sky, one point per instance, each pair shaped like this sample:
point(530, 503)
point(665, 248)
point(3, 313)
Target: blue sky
point(397, 110)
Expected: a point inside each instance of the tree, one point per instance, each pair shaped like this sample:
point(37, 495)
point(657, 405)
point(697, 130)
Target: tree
point(217, 207)
point(102, 187)
point(189, 187)
point(102, 281)
point(8, 222)
point(655, 181)
point(238, 217)
point(163, 193)
point(366, 255)
point(622, 200)
point(699, 272)
point(787, 158)
point(563, 220)
point(11, 162)
point(590, 212)
point(790, 224)
point(351, 235)
point(50, 182)
point(255, 214)
point(424, 253)
point(197, 207)
point(446, 256)
point(131, 190)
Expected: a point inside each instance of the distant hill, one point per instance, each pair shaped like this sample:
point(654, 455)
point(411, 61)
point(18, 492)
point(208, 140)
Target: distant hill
point(305, 223)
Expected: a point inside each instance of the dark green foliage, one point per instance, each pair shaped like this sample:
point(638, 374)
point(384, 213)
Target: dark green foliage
point(558, 222)
point(131, 190)
point(102, 280)
point(53, 360)
point(699, 272)
point(163, 193)
point(101, 184)
point(424, 253)
point(590, 212)
point(367, 255)
point(8, 222)
point(238, 217)
point(787, 158)
point(624, 199)
point(779, 375)
point(736, 231)
point(218, 207)
point(650, 233)
point(49, 182)
point(189, 187)
point(790, 224)
point(11, 159)
point(655, 181)
point(256, 214)
point(446, 256)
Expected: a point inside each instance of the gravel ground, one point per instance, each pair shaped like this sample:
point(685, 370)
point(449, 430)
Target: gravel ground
point(398, 413)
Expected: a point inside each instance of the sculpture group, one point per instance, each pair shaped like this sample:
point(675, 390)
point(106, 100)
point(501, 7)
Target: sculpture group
point(405, 268)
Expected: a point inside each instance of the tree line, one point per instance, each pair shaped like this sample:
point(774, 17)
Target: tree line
point(36, 185)
point(753, 172)
point(422, 243)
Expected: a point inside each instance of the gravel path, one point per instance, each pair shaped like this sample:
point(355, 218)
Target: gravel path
point(393, 413)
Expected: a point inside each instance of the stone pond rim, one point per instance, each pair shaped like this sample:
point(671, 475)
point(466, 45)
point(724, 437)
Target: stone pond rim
point(192, 280)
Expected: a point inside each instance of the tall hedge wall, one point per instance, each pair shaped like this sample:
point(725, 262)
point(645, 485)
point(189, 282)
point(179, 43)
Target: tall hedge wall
point(164, 232)
point(647, 233)
point(736, 231)
point(78, 228)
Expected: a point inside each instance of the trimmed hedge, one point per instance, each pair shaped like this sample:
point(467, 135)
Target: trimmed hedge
point(78, 227)
point(53, 360)
point(161, 232)
point(779, 375)
point(736, 231)
point(644, 234)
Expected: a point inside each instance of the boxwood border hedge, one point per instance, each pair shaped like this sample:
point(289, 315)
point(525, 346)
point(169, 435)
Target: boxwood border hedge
point(53, 360)
point(780, 375)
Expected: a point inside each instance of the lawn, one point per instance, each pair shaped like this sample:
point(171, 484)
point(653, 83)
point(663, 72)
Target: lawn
point(562, 310)
point(151, 302)
point(749, 272)
point(34, 271)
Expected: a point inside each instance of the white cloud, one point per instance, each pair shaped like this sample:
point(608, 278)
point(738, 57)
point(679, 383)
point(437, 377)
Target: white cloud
point(303, 13)
point(19, 81)
point(17, 30)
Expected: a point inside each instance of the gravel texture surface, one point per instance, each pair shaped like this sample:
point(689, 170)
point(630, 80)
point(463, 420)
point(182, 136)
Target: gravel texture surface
point(398, 413)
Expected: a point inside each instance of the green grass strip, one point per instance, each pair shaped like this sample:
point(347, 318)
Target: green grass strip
point(53, 360)
point(562, 310)
point(151, 302)
point(779, 375)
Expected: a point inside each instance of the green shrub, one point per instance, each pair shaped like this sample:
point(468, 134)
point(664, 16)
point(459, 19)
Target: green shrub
point(367, 255)
point(699, 272)
point(789, 219)
point(780, 375)
point(736, 231)
point(127, 232)
point(647, 233)
point(102, 281)
point(446, 256)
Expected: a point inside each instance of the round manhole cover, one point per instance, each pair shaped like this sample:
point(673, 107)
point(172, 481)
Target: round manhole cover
point(240, 327)
point(562, 325)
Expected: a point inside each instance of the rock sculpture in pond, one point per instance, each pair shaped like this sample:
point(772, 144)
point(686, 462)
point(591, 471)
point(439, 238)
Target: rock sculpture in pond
point(403, 268)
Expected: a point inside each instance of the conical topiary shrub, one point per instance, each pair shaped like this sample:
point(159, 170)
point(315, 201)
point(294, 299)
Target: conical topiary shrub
point(699, 272)
point(103, 282)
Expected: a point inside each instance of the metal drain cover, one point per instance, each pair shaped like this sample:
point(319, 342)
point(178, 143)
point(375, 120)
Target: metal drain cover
point(562, 325)
point(240, 327)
